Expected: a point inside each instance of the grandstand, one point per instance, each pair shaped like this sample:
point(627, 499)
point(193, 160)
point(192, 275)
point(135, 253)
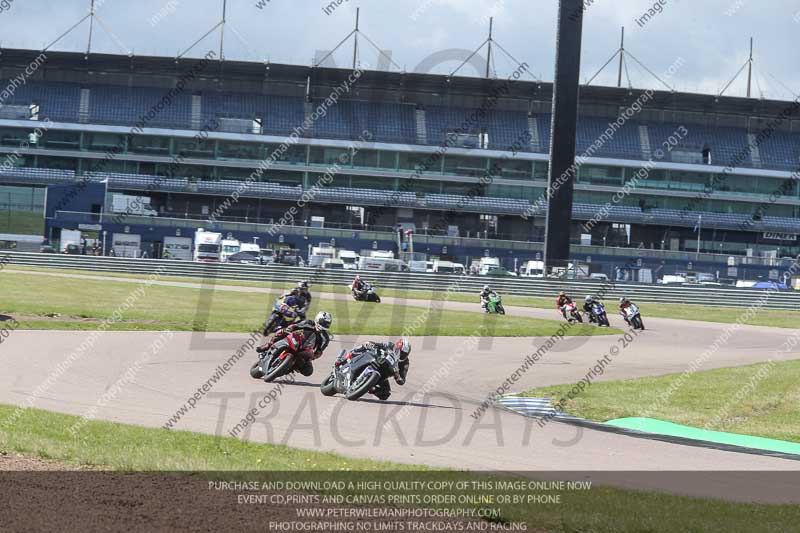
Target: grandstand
point(420, 162)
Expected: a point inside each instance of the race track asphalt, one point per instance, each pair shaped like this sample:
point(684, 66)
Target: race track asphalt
point(428, 421)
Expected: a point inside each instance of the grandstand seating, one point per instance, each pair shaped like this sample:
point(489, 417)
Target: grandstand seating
point(360, 196)
point(395, 123)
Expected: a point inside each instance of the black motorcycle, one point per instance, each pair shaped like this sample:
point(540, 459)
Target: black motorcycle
point(360, 374)
point(368, 295)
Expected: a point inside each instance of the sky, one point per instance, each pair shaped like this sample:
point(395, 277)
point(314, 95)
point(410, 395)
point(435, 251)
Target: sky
point(708, 40)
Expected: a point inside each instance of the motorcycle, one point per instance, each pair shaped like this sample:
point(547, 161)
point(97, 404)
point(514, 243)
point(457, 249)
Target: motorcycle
point(599, 314)
point(572, 313)
point(280, 358)
point(494, 305)
point(633, 317)
point(368, 295)
point(281, 317)
point(357, 376)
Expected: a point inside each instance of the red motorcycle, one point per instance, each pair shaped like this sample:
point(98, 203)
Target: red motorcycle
point(572, 313)
point(279, 358)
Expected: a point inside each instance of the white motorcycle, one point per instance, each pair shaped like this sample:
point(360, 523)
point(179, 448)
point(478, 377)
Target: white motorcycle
point(633, 317)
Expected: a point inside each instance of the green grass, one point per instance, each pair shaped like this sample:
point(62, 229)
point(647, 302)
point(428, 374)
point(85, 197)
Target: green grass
point(703, 313)
point(122, 447)
point(82, 303)
point(768, 408)
point(22, 222)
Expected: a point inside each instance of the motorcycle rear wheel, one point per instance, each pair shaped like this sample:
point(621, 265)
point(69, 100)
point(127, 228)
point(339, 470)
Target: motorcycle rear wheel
point(364, 387)
point(328, 387)
point(278, 368)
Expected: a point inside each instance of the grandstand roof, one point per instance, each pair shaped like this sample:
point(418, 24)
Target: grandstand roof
point(273, 78)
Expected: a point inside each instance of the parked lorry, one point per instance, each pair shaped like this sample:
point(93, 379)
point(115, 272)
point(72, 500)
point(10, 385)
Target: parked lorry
point(126, 245)
point(178, 248)
point(349, 259)
point(207, 245)
point(229, 247)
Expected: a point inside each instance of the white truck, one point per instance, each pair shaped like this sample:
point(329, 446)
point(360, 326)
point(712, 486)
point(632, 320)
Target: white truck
point(349, 259)
point(532, 269)
point(319, 254)
point(207, 245)
point(177, 248)
point(69, 236)
point(251, 247)
point(126, 245)
point(488, 264)
point(132, 205)
point(229, 247)
point(447, 267)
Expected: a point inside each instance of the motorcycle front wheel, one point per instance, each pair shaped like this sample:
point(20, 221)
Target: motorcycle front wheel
point(255, 371)
point(362, 386)
point(501, 309)
point(328, 387)
point(278, 367)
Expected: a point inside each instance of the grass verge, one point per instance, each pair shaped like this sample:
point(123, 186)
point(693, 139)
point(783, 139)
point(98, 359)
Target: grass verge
point(759, 400)
point(123, 447)
point(700, 313)
point(79, 304)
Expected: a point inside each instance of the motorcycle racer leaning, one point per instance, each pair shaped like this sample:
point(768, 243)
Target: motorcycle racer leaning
point(303, 297)
point(561, 301)
point(359, 286)
point(624, 303)
point(401, 350)
point(316, 338)
point(484, 296)
point(588, 302)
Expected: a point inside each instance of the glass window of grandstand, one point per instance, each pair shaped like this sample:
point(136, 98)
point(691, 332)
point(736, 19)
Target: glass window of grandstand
point(656, 178)
point(688, 181)
point(22, 210)
point(417, 161)
point(194, 147)
point(185, 171)
point(13, 136)
point(149, 144)
point(366, 159)
point(422, 187)
point(104, 165)
point(326, 155)
point(514, 168)
point(540, 170)
point(288, 178)
point(365, 182)
point(61, 163)
point(507, 191)
point(294, 154)
point(465, 166)
point(387, 159)
point(239, 150)
point(102, 141)
point(61, 140)
point(598, 175)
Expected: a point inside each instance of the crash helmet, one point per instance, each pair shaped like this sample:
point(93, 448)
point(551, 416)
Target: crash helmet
point(302, 285)
point(562, 293)
point(291, 301)
point(485, 287)
point(588, 298)
point(402, 348)
point(323, 320)
point(622, 300)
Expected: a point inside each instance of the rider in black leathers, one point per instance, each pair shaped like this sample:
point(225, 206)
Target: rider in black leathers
point(401, 350)
point(588, 302)
point(303, 296)
point(316, 339)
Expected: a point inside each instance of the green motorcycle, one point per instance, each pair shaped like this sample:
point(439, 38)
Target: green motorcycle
point(494, 305)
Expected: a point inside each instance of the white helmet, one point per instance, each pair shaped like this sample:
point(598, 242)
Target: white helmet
point(588, 298)
point(402, 348)
point(323, 320)
point(486, 287)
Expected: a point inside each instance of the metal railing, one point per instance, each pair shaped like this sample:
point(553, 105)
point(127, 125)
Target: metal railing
point(435, 283)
